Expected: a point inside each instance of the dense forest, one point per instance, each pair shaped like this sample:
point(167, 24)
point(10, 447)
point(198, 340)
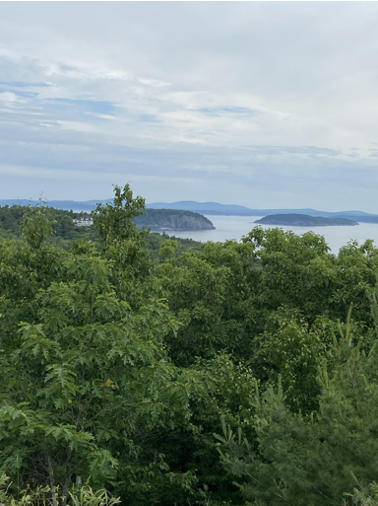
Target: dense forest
point(63, 226)
point(61, 223)
point(141, 370)
point(64, 231)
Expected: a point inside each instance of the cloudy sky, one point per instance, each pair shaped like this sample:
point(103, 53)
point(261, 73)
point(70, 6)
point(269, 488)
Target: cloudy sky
point(259, 104)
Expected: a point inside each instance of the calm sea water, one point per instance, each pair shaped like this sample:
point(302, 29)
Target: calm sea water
point(234, 227)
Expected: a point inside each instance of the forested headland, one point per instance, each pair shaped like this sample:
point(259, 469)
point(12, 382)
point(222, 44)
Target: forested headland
point(149, 371)
point(173, 219)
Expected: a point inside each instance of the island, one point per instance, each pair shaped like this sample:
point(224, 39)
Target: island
point(172, 220)
point(304, 220)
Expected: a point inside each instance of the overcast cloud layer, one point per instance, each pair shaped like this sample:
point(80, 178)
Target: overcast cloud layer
point(259, 104)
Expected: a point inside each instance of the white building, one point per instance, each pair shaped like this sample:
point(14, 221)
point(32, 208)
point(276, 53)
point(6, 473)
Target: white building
point(85, 220)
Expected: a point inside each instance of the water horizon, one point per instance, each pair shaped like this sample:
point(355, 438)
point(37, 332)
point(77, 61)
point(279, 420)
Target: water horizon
point(235, 227)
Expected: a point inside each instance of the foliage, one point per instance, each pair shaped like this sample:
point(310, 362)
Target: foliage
point(14, 218)
point(65, 233)
point(81, 496)
point(114, 221)
point(36, 225)
point(123, 352)
point(316, 459)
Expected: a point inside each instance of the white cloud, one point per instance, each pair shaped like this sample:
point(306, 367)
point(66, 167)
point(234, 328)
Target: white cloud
point(272, 100)
point(10, 99)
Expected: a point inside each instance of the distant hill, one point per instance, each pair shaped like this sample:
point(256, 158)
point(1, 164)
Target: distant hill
point(172, 220)
point(214, 208)
point(208, 208)
point(204, 207)
point(304, 220)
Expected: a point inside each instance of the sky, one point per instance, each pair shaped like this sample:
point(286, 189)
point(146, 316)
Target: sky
point(262, 104)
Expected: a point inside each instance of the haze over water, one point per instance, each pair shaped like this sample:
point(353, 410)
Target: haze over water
point(235, 227)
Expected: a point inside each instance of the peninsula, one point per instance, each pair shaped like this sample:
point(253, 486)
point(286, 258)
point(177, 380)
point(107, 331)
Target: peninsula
point(304, 220)
point(172, 220)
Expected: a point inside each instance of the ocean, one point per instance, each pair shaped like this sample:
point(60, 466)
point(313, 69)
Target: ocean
point(235, 227)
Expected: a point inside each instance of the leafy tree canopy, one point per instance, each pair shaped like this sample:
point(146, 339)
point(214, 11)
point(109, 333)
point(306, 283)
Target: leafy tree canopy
point(155, 371)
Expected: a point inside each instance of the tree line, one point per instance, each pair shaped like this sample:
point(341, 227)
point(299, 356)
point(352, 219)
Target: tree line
point(148, 371)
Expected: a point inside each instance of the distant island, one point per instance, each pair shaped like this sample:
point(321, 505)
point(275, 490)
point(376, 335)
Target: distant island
point(203, 208)
point(173, 220)
point(304, 220)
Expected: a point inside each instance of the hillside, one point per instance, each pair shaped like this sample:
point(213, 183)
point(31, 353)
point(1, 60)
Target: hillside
point(172, 219)
point(63, 225)
point(304, 220)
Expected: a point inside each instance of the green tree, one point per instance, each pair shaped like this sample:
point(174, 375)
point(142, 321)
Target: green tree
point(82, 372)
point(294, 352)
point(86, 360)
point(123, 244)
point(37, 225)
point(114, 220)
point(312, 460)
